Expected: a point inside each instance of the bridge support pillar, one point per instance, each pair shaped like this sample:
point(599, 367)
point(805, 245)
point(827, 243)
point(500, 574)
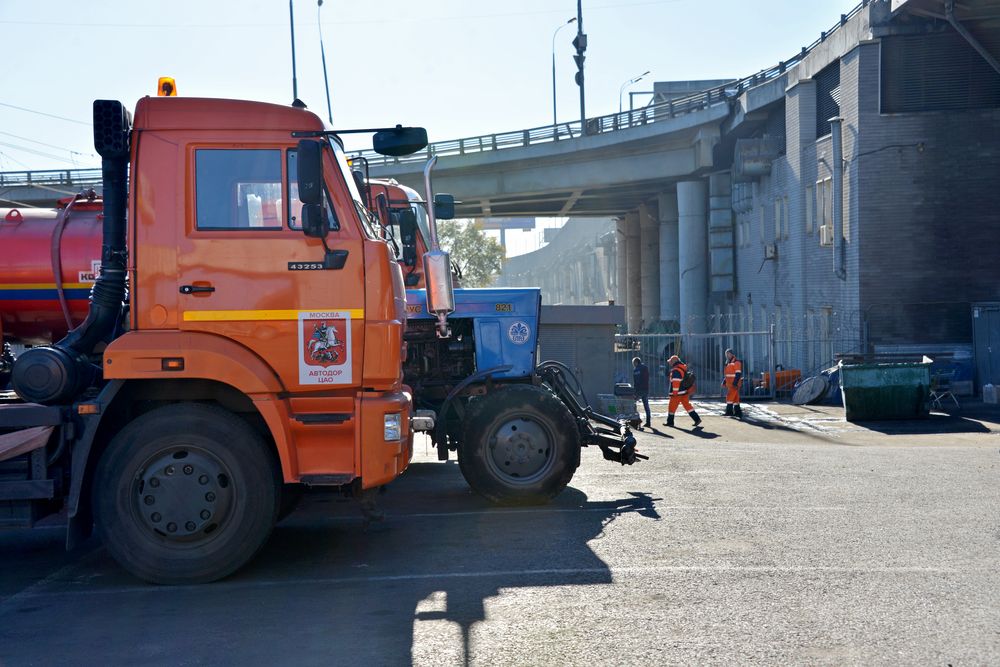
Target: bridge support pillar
point(692, 206)
point(649, 238)
point(621, 265)
point(670, 296)
point(633, 248)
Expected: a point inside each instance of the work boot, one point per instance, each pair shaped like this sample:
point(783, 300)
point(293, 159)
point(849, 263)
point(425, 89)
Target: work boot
point(737, 412)
point(695, 417)
point(729, 409)
point(670, 421)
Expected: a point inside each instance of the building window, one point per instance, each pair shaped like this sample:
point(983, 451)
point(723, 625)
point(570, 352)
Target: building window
point(784, 216)
point(777, 219)
point(824, 210)
point(810, 207)
point(763, 222)
point(827, 97)
point(935, 72)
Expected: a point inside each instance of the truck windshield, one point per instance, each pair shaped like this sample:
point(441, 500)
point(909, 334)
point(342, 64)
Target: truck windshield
point(368, 221)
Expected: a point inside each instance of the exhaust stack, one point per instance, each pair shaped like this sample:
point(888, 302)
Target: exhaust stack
point(58, 373)
point(437, 266)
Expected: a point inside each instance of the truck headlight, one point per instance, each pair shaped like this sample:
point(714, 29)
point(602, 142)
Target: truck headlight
point(392, 427)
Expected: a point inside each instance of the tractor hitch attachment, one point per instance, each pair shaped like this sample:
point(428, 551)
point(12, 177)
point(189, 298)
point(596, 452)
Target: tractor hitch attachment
point(613, 436)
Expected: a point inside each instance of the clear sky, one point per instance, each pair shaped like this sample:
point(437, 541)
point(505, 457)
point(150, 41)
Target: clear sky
point(458, 68)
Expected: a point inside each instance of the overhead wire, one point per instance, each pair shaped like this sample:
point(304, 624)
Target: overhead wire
point(42, 113)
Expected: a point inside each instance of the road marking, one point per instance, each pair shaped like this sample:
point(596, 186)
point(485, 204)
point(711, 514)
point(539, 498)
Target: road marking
point(224, 586)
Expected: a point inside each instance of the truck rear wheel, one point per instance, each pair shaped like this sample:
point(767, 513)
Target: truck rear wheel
point(187, 493)
point(520, 446)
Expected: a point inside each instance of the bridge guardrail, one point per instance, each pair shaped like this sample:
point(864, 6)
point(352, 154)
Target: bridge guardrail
point(612, 122)
point(50, 177)
point(516, 138)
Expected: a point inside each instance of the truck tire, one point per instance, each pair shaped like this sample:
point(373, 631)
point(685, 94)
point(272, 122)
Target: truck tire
point(520, 446)
point(186, 494)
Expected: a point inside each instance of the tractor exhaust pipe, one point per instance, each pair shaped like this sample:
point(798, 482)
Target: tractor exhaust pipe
point(437, 265)
point(58, 373)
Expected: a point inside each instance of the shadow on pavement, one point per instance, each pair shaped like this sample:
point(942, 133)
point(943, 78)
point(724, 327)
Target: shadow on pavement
point(935, 423)
point(323, 591)
point(437, 565)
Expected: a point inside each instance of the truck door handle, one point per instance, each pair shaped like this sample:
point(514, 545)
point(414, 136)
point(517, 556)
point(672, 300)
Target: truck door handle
point(196, 289)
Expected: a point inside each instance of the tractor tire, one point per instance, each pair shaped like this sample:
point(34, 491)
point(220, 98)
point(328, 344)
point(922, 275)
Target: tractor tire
point(520, 446)
point(186, 494)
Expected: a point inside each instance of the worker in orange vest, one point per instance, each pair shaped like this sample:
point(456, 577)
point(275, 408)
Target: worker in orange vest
point(676, 371)
point(732, 380)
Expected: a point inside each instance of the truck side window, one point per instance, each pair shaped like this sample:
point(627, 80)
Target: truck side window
point(295, 204)
point(238, 189)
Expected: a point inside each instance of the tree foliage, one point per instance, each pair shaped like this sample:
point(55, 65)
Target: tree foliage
point(478, 257)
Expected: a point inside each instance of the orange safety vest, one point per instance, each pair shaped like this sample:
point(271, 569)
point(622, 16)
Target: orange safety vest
point(734, 372)
point(677, 374)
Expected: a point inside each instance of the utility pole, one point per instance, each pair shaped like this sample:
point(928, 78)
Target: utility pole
point(581, 45)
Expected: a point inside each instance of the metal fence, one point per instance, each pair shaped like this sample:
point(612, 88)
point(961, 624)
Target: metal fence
point(704, 355)
point(775, 357)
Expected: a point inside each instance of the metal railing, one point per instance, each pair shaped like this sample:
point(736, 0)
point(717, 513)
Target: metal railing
point(520, 138)
point(50, 177)
point(612, 122)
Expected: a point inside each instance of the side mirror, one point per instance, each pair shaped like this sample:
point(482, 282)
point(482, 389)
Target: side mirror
point(382, 209)
point(444, 206)
point(408, 236)
point(309, 173)
point(399, 141)
point(314, 223)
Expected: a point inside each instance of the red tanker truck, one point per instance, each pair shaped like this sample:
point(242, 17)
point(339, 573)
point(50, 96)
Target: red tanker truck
point(51, 260)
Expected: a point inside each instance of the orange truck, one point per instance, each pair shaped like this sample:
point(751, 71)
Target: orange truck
point(245, 333)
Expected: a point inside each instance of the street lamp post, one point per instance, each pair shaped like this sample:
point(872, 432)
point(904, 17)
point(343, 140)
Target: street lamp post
point(626, 84)
point(554, 120)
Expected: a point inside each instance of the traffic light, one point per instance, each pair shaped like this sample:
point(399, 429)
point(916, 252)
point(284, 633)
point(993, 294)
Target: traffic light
point(580, 42)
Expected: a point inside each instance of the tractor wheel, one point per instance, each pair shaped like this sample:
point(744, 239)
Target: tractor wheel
point(187, 493)
point(520, 446)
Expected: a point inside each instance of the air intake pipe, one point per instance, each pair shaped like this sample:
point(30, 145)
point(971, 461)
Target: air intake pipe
point(58, 373)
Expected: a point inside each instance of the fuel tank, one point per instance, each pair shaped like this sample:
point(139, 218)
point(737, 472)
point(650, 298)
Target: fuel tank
point(33, 242)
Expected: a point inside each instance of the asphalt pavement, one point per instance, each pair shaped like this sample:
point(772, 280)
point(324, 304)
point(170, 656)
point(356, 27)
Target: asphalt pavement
point(792, 538)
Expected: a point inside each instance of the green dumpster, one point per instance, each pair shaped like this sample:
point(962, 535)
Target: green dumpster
point(885, 391)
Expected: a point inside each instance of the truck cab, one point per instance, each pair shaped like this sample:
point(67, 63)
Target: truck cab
point(242, 338)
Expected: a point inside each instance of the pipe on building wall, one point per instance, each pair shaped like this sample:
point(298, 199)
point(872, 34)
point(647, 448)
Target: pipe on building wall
point(649, 239)
point(692, 236)
point(633, 311)
point(621, 263)
point(837, 138)
point(670, 296)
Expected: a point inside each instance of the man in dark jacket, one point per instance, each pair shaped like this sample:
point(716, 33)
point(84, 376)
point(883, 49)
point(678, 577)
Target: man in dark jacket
point(640, 384)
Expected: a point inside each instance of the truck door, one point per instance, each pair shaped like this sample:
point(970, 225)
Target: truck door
point(246, 271)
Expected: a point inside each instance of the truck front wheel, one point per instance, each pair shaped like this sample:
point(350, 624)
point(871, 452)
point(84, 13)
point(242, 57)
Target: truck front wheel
point(187, 493)
point(520, 446)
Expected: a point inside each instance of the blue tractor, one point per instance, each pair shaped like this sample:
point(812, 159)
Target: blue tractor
point(517, 425)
